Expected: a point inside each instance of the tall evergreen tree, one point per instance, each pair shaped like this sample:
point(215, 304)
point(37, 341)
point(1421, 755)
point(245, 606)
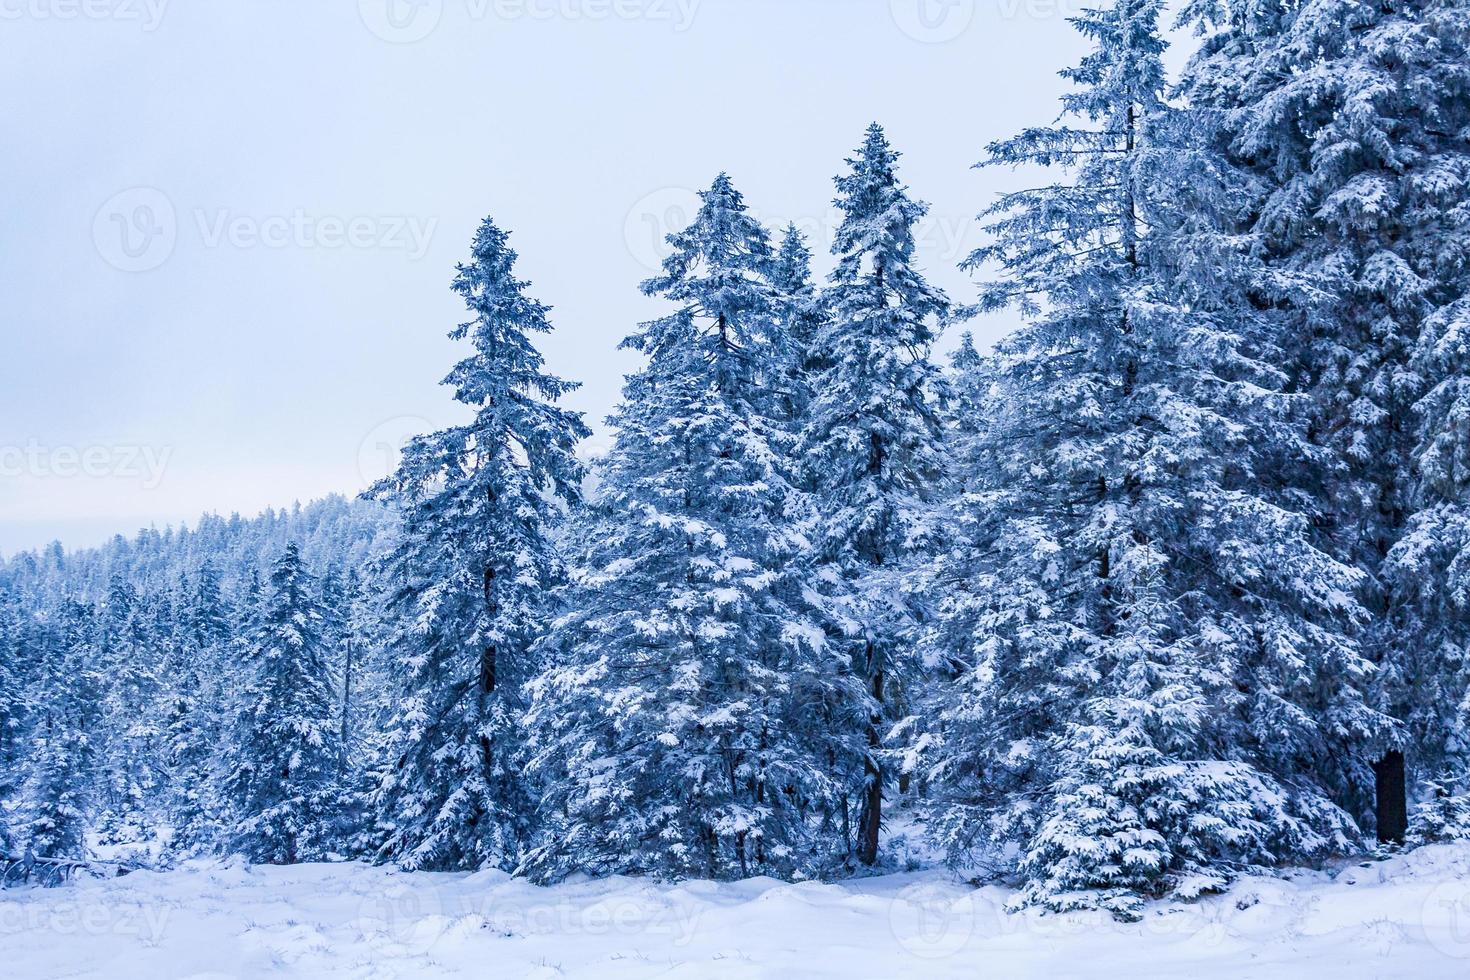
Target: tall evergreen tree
point(280, 771)
point(59, 800)
point(1353, 115)
point(871, 445)
point(799, 312)
point(129, 737)
point(13, 646)
point(349, 626)
point(471, 579)
point(695, 720)
point(194, 716)
point(967, 404)
point(1157, 679)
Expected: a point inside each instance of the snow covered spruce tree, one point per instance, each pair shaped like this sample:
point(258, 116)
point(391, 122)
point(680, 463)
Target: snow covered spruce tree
point(799, 312)
point(13, 647)
point(349, 625)
point(1354, 114)
point(694, 719)
point(870, 449)
point(1415, 89)
point(966, 407)
point(128, 750)
point(471, 580)
point(1156, 680)
point(279, 776)
point(59, 798)
point(196, 678)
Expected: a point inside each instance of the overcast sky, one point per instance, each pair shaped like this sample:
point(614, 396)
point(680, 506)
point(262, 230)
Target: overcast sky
point(230, 227)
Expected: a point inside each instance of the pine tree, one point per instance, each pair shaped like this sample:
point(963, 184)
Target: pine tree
point(471, 579)
point(129, 737)
point(1444, 816)
point(13, 699)
point(1353, 115)
point(193, 722)
point(799, 313)
point(59, 801)
point(1157, 682)
point(350, 631)
point(1409, 113)
point(695, 720)
point(871, 445)
point(966, 407)
point(280, 772)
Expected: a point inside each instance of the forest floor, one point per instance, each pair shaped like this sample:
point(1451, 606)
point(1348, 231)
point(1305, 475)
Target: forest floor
point(1407, 916)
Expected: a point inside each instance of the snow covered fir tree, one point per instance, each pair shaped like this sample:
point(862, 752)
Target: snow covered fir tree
point(1164, 588)
point(470, 581)
point(1352, 118)
point(1149, 647)
point(695, 719)
point(281, 762)
point(871, 443)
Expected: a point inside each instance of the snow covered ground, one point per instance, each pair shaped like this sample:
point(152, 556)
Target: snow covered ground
point(1404, 917)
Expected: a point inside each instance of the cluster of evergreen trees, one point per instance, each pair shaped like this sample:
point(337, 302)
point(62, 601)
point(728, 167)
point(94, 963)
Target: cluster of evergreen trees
point(1170, 586)
point(168, 682)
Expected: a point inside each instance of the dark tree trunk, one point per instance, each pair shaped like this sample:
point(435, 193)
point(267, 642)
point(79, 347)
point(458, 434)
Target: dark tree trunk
point(346, 735)
point(487, 676)
point(487, 688)
point(870, 820)
point(1393, 803)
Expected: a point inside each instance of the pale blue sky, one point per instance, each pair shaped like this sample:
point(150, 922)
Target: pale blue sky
point(230, 227)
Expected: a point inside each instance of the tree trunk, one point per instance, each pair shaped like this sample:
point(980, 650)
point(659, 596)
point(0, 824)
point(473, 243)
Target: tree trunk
point(1393, 804)
point(487, 676)
point(487, 688)
point(870, 821)
point(346, 735)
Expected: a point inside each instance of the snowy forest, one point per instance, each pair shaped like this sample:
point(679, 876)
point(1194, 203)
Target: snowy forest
point(1170, 587)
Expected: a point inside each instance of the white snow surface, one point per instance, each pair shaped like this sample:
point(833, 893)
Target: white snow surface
point(1408, 916)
